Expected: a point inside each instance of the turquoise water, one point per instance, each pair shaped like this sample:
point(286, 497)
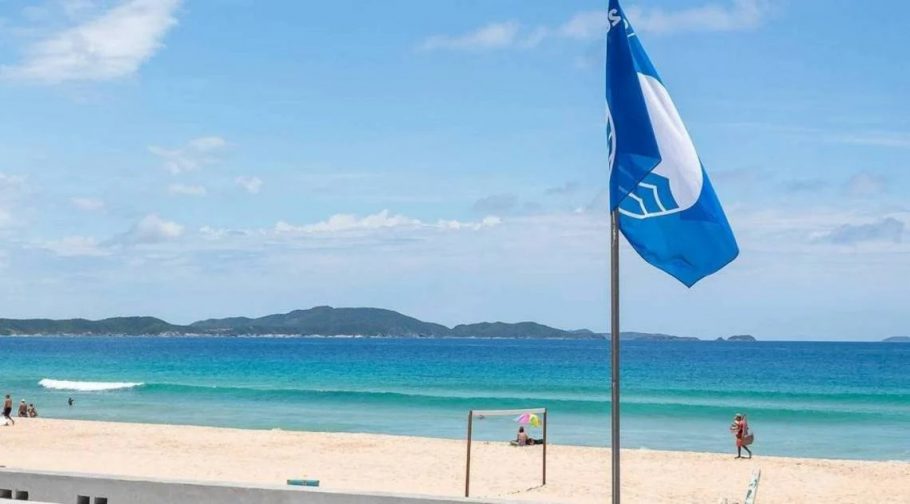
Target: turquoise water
point(836, 400)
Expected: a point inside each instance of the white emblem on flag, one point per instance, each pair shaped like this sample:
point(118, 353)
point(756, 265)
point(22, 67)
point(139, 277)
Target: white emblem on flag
point(675, 183)
point(611, 142)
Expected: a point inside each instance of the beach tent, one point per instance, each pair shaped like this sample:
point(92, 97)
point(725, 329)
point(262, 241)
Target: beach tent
point(524, 416)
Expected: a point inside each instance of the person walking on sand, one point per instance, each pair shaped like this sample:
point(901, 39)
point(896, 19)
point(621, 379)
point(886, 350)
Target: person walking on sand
point(8, 409)
point(740, 429)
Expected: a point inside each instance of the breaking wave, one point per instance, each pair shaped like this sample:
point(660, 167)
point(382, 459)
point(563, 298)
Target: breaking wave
point(85, 386)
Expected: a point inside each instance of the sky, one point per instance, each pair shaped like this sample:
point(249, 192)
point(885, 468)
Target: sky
point(447, 159)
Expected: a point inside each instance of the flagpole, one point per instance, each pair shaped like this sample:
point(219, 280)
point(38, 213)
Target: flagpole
point(614, 348)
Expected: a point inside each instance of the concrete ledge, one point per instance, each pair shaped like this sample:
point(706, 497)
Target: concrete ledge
point(74, 488)
point(7, 501)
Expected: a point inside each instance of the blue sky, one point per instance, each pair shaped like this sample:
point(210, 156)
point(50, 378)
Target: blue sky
point(446, 159)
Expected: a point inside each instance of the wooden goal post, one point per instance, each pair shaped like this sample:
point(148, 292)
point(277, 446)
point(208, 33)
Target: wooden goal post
point(512, 412)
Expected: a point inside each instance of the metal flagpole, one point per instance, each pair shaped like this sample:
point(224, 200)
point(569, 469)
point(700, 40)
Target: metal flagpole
point(614, 348)
point(467, 470)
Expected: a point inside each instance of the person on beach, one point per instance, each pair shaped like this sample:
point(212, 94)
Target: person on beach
point(7, 409)
point(32, 411)
point(740, 429)
point(522, 438)
point(23, 409)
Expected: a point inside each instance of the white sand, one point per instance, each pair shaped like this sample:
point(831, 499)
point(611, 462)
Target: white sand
point(369, 462)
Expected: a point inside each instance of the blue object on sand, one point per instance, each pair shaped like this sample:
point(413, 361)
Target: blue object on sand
point(303, 482)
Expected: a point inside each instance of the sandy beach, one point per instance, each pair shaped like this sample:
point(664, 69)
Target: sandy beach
point(370, 462)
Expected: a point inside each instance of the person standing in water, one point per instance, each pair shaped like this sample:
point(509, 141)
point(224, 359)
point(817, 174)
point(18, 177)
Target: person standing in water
point(7, 409)
point(70, 401)
point(740, 429)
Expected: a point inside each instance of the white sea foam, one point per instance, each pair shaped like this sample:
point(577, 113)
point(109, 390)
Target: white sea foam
point(85, 386)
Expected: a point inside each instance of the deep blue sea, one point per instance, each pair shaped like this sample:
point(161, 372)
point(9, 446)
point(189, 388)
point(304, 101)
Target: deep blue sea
point(832, 400)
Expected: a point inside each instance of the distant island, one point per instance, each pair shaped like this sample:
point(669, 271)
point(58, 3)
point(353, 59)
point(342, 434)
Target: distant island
point(739, 337)
point(323, 321)
point(897, 339)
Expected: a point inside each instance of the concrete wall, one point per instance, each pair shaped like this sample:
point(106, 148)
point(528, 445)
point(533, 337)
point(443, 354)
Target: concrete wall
point(8, 501)
point(72, 488)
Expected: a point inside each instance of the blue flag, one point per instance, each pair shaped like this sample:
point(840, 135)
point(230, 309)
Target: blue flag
point(668, 210)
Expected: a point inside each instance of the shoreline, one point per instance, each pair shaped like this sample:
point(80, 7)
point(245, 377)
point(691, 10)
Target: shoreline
point(444, 438)
point(433, 466)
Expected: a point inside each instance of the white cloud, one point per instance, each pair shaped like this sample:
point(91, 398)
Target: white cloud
point(210, 233)
point(11, 182)
point(866, 184)
point(73, 246)
point(877, 138)
point(486, 222)
point(534, 37)
point(591, 25)
point(349, 222)
point(737, 16)
point(543, 263)
point(112, 45)
point(491, 36)
point(73, 8)
point(496, 203)
point(12, 188)
point(251, 185)
point(154, 229)
point(805, 185)
point(6, 218)
point(192, 156)
point(87, 204)
point(819, 231)
point(379, 221)
point(585, 25)
point(186, 190)
point(887, 229)
point(207, 144)
point(566, 189)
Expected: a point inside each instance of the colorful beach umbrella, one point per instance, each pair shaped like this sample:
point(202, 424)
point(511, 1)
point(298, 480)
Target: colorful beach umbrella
point(528, 419)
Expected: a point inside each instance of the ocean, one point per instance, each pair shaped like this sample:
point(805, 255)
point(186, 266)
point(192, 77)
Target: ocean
point(828, 400)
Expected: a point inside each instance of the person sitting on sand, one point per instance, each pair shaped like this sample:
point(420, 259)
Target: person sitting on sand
point(522, 438)
point(32, 411)
point(7, 409)
point(23, 409)
point(740, 429)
